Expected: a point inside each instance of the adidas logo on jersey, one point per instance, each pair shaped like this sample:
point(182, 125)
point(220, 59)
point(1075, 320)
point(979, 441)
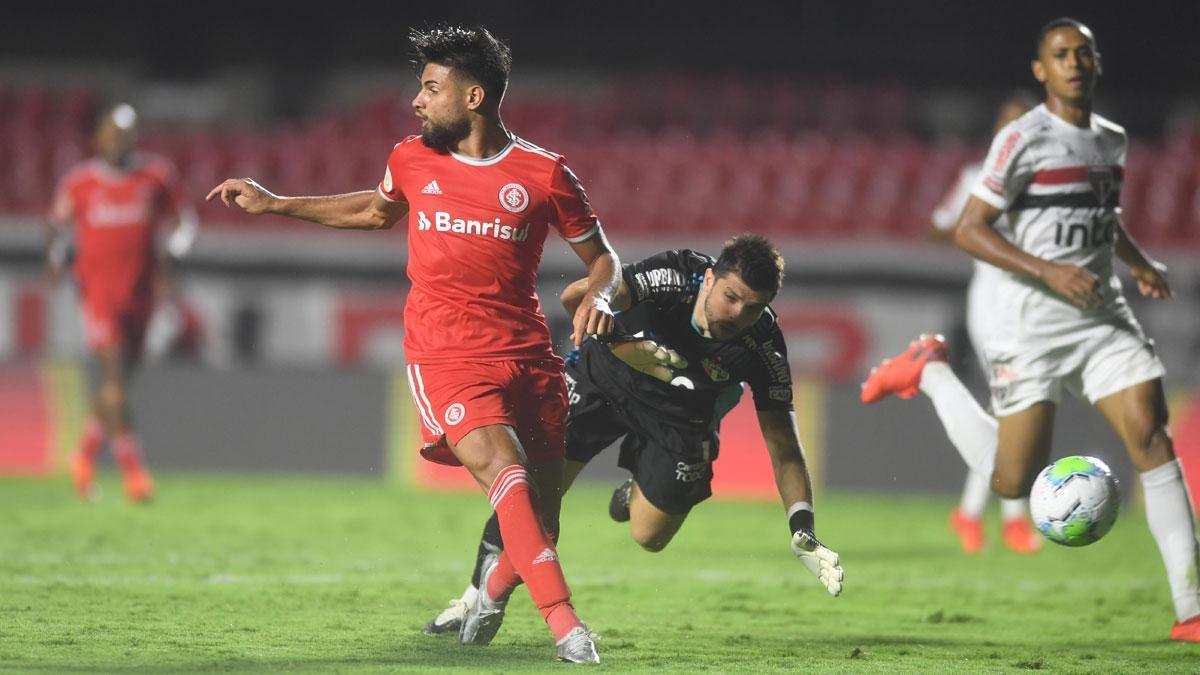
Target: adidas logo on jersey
point(547, 555)
point(431, 189)
point(443, 222)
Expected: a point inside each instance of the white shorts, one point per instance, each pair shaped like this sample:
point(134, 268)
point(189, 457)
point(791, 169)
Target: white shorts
point(1100, 361)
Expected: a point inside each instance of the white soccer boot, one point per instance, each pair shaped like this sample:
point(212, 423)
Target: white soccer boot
point(483, 618)
point(578, 647)
point(451, 618)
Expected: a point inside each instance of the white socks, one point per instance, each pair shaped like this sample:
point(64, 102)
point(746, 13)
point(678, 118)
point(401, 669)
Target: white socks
point(1014, 509)
point(972, 431)
point(468, 595)
point(974, 434)
point(1169, 513)
point(976, 490)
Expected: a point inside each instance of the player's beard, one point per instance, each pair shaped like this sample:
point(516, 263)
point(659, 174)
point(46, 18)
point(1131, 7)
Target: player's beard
point(441, 137)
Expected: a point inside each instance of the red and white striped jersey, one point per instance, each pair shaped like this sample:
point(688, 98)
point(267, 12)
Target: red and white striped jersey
point(1059, 187)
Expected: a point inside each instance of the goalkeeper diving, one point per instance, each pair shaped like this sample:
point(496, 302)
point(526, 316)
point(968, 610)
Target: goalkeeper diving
point(689, 331)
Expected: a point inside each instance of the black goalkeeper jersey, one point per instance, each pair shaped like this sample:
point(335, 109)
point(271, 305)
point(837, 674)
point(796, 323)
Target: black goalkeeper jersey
point(663, 291)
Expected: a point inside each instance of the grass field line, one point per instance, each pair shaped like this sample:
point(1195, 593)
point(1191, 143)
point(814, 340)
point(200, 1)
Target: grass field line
point(722, 578)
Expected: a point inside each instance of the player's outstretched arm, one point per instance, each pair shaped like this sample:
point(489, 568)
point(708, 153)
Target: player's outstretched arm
point(795, 488)
point(364, 210)
point(1151, 275)
point(592, 314)
point(976, 236)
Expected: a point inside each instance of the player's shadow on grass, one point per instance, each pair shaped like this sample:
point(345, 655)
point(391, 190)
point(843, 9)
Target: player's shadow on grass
point(411, 657)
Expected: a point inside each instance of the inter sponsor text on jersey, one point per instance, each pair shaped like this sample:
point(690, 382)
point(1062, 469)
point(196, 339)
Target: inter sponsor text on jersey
point(116, 215)
point(476, 228)
point(663, 293)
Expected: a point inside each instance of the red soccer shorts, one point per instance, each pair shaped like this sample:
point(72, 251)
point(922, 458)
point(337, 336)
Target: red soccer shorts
point(105, 327)
point(454, 399)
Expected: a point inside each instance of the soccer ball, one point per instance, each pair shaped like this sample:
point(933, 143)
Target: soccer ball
point(1074, 501)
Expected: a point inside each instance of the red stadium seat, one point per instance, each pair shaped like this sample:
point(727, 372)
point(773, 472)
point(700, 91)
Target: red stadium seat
point(1166, 202)
point(665, 152)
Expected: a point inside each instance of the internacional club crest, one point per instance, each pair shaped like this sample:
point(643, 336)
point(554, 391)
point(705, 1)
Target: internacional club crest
point(514, 197)
point(455, 413)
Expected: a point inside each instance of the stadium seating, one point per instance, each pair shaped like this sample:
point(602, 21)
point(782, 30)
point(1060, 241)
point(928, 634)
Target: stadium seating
point(828, 161)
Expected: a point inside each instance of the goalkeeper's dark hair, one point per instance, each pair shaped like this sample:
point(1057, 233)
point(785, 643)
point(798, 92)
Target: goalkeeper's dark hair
point(1063, 22)
point(755, 260)
point(470, 50)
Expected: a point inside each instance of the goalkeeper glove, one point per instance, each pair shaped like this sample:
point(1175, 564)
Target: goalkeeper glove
point(819, 560)
point(649, 357)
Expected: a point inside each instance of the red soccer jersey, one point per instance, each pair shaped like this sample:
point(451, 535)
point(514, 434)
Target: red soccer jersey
point(116, 216)
point(476, 228)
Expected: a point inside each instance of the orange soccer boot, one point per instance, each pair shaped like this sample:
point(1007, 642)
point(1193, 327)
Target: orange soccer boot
point(969, 531)
point(902, 375)
point(1186, 631)
point(83, 475)
point(1020, 537)
point(139, 487)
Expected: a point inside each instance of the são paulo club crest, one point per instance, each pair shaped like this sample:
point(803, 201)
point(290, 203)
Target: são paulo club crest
point(455, 413)
point(514, 197)
point(715, 372)
point(1104, 182)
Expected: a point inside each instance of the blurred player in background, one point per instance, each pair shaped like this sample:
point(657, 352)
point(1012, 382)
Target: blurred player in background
point(690, 330)
point(1061, 320)
point(117, 201)
point(480, 202)
point(967, 518)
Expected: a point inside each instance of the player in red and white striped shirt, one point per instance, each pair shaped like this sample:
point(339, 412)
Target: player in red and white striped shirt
point(1061, 320)
point(480, 204)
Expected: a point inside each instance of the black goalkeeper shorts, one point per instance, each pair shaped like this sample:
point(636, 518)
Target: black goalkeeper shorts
point(672, 464)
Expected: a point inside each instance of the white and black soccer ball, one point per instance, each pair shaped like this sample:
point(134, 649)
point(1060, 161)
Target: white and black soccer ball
point(1074, 501)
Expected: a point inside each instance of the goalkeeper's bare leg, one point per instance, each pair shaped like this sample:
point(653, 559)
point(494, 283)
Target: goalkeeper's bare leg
point(651, 527)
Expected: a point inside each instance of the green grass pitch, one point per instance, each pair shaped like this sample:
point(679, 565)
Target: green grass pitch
point(269, 574)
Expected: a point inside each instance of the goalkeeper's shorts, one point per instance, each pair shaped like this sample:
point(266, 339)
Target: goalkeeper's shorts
point(671, 463)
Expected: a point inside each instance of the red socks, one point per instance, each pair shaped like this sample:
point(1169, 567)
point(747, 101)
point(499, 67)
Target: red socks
point(529, 554)
point(93, 438)
point(128, 452)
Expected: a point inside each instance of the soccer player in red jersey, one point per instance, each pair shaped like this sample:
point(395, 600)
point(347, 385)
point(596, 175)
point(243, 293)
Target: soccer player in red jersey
point(480, 202)
point(117, 201)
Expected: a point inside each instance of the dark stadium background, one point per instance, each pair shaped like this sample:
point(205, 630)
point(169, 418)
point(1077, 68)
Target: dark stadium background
point(297, 366)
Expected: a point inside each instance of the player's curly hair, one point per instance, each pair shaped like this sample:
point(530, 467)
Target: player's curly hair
point(470, 50)
point(755, 260)
point(1063, 22)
